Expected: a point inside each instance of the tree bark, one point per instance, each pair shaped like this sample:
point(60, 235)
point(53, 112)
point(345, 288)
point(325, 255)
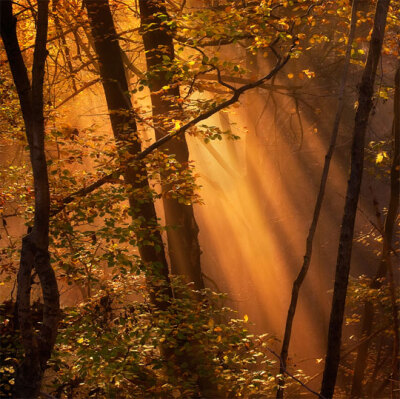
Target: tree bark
point(376, 283)
point(125, 131)
point(385, 264)
point(183, 244)
point(366, 91)
point(389, 227)
point(124, 128)
point(318, 205)
point(34, 253)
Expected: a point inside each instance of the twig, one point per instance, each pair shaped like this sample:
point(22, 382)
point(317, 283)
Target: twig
point(284, 370)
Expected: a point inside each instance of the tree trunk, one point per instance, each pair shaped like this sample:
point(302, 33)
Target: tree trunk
point(125, 132)
point(353, 190)
point(318, 206)
point(124, 128)
point(183, 244)
point(34, 253)
point(368, 314)
point(389, 227)
point(385, 264)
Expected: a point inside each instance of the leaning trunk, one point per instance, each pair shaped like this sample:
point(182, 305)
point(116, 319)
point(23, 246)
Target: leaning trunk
point(124, 128)
point(125, 132)
point(353, 191)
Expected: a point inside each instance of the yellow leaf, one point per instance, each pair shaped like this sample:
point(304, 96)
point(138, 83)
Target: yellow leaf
point(379, 158)
point(80, 340)
point(246, 318)
point(309, 74)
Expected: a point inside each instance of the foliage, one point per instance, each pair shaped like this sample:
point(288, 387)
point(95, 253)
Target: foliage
point(110, 346)
point(113, 342)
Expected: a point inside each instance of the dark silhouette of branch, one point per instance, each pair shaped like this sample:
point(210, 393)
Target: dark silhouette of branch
point(168, 136)
point(78, 91)
point(318, 205)
point(284, 370)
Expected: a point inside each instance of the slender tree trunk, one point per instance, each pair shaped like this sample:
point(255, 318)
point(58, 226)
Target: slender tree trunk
point(34, 253)
point(317, 209)
point(183, 244)
point(384, 266)
point(125, 132)
point(368, 314)
point(353, 191)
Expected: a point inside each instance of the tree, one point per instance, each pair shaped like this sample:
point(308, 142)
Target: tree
point(353, 190)
point(385, 263)
point(34, 254)
point(317, 209)
point(183, 244)
point(125, 132)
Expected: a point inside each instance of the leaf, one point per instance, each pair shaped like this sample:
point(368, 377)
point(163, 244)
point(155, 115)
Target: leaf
point(380, 156)
point(246, 318)
point(309, 74)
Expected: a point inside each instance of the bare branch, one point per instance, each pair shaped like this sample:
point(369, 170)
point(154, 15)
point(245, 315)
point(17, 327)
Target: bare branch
point(284, 370)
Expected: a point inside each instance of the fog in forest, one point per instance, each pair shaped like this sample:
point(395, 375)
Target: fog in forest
point(257, 192)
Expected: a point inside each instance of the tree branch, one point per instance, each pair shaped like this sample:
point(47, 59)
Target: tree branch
point(168, 136)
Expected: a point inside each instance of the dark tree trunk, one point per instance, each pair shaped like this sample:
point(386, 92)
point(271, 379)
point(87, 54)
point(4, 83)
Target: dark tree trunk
point(385, 264)
point(388, 243)
point(34, 253)
point(125, 132)
point(353, 191)
point(298, 282)
point(183, 244)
